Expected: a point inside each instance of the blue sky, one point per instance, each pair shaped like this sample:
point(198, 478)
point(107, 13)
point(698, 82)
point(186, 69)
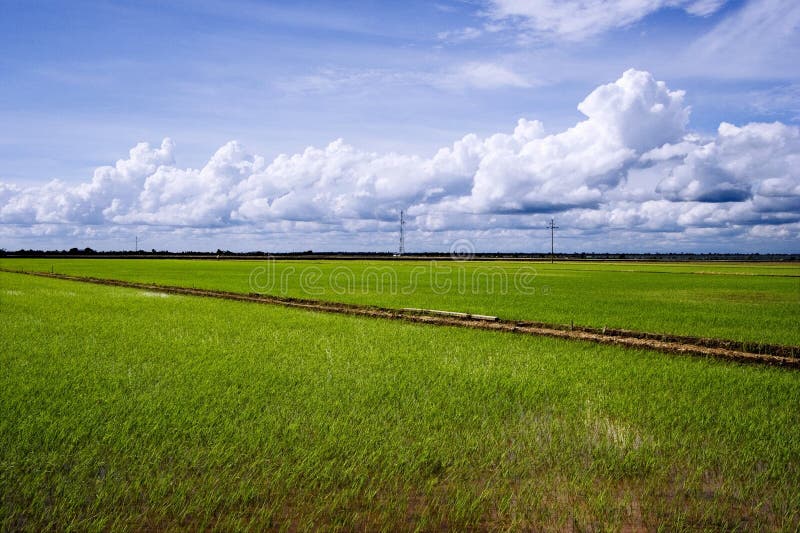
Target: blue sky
point(82, 82)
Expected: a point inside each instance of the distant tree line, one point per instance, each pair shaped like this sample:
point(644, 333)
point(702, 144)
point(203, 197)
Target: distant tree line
point(588, 256)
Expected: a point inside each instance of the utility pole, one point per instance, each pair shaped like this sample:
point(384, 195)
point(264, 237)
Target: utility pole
point(552, 227)
point(136, 249)
point(402, 248)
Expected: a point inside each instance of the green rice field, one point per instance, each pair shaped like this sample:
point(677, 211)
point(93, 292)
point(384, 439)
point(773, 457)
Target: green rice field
point(125, 409)
point(737, 301)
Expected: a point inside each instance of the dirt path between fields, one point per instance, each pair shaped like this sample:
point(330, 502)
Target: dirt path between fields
point(770, 354)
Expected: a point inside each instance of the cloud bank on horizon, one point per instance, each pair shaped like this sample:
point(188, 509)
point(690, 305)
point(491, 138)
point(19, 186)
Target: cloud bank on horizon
point(631, 170)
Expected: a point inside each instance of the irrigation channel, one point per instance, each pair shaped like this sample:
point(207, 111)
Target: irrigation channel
point(769, 354)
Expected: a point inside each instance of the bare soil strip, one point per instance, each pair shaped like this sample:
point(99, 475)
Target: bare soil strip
point(785, 356)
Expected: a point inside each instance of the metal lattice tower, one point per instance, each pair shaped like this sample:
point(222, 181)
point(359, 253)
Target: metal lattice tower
point(552, 227)
point(402, 248)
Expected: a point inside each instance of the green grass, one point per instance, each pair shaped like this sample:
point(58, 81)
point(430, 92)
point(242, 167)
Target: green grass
point(120, 409)
point(737, 301)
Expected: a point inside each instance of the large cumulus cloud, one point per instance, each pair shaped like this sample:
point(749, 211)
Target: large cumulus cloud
point(631, 163)
point(740, 163)
point(575, 168)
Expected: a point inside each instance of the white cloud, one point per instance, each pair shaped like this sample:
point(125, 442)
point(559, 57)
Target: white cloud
point(471, 75)
point(576, 167)
point(758, 23)
point(110, 189)
point(703, 8)
point(760, 39)
point(777, 100)
point(741, 162)
point(577, 20)
point(482, 75)
point(630, 164)
point(458, 36)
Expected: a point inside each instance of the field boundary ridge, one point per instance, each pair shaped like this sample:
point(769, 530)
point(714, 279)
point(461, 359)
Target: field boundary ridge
point(758, 353)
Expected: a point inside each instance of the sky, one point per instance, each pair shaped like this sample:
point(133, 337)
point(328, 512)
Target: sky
point(639, 126)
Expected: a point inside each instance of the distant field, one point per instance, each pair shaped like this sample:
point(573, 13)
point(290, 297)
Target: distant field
point(128, 409)
point(738, 301)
